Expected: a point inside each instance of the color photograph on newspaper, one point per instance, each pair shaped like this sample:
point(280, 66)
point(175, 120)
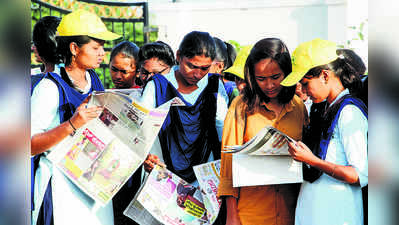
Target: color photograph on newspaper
point(101, 168)
point(171, 200)
point(208, 176)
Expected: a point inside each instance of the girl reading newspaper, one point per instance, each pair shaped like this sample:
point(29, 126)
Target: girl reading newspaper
point(337, 168)
point(263, 102)
point(58, 107)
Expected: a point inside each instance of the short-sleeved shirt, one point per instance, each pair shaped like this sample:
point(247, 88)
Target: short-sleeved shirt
point(267, 204)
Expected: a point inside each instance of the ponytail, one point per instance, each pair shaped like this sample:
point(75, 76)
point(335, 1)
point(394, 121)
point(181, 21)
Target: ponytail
point(342, 68)
point(349, 77)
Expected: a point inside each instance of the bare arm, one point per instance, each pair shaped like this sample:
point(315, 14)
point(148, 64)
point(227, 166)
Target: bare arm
point(300, 152)
point(232, 214)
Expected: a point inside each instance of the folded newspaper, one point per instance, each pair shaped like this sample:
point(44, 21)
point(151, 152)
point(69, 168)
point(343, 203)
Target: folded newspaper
point(264, 160)
point(102, 155)
point(167, 199)
point(269, 141)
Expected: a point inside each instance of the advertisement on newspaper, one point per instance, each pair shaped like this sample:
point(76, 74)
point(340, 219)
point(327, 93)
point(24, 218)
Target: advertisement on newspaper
point(169, 200)
point(208, 176)
point(102, 155)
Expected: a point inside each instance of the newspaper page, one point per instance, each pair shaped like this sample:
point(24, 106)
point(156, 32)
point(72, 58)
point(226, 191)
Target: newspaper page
point(101, 156)
point(264, 160)
point(269, 141)
point(251, 170)
point(208, 176)
point(167, 199)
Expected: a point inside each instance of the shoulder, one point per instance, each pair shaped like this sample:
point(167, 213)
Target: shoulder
point(298, 105)
point(238, 105)
point(351, 113)
point(46, 85)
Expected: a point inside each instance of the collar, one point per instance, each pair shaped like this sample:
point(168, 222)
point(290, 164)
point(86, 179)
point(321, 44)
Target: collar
point(340, 95)
point(288, 108)
point(172, 79)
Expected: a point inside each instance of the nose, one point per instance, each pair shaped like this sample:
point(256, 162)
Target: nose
point(197, 73)
point(269, 84)
point(101, 52)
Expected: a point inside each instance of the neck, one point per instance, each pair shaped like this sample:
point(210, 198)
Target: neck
point(76, 73)
point(48, 67)
point(335, 91)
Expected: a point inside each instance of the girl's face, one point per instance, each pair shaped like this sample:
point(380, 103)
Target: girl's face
point(315, 88)
point(90, 55)
point(123, 71)
point(152, 66)
point(268, 75)
point(194, 69)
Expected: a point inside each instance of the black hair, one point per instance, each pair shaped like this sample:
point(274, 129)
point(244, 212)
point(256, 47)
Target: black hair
point(276, 50)
point(197, 43)
point(342, 68)
point(353, 59)
point(158, 49)
point(63, 49)
point(129, 49)
point(44, 38)
point(231, 55)
point(221, 51)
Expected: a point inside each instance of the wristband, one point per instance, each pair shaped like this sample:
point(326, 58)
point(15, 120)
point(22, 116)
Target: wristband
point(74, 129)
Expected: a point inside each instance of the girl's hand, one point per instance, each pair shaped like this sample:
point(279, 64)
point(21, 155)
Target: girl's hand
point(300, 152)
point(83, 114)
point(151, 161)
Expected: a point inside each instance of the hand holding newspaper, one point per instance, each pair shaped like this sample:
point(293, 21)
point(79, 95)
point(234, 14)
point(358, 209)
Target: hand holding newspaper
point(264, 160)
point(102, 155)
point(167, 199)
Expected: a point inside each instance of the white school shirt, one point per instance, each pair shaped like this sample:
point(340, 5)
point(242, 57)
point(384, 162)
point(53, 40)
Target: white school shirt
point(70, 205)
point(149, 100)
point(328, 201)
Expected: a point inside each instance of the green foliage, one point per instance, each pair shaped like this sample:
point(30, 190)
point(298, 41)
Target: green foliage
point(359, 35)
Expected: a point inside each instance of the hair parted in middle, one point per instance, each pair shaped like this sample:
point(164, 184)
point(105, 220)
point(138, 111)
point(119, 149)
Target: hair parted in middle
point(197, 43)
point(276, 50)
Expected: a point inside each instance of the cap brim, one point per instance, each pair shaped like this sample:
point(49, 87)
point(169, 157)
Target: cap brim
point(293, 78)
point(106, 36)
point(233, 70)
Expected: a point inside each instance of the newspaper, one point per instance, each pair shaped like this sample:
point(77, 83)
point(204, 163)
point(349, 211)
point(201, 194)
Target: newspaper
point(101, 156)
point(208, 176)
point(167, 199)
point(269, 141)
point(264, 160)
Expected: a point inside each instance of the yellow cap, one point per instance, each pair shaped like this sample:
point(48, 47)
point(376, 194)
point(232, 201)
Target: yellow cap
point(82, 22)
point(309, 55)
point(239, 63)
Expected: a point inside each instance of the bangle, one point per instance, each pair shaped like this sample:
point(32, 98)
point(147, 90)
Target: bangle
point(74, 129)
point(332, 175)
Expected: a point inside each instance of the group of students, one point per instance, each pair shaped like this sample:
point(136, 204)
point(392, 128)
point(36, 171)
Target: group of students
point(335, 163)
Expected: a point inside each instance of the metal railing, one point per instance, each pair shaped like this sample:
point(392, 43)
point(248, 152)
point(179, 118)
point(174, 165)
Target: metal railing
point(129, 19)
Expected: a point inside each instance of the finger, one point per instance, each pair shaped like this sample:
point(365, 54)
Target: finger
point(161, 164)
point(81, 107)
point(291, 151)
point(292, 145)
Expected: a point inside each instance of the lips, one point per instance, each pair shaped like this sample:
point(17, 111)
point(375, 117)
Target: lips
point(270, 92)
